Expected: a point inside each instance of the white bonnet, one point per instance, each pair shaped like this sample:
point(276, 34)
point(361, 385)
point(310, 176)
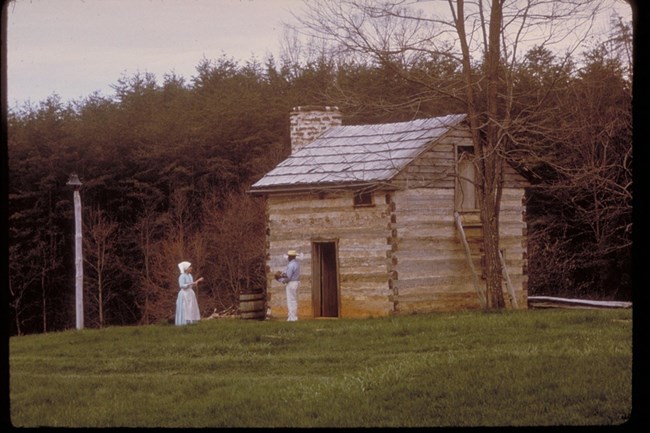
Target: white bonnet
point(183, 266)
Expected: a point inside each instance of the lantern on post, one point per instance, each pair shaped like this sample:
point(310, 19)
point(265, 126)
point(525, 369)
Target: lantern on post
point(75, 183)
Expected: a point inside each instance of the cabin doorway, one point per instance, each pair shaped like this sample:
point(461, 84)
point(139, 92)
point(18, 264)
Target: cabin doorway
point(325, 282)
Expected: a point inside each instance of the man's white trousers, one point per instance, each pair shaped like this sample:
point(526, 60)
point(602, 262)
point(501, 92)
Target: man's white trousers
point(292, 300)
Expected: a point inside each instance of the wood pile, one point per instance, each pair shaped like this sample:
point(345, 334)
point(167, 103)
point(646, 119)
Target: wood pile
point(229, 313)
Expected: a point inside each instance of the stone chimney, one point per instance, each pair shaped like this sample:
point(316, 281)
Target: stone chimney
point(309, 121)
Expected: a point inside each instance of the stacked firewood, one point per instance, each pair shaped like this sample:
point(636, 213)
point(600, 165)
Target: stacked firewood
point(228, 313)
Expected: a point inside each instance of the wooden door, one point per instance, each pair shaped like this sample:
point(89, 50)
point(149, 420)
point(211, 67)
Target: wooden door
point(466, 180)
point(325, 288)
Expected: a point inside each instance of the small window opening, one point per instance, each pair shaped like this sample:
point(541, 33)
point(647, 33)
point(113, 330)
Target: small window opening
point(363, 199)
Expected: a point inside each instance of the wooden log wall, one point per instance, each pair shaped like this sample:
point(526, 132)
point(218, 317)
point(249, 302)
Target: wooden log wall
point(436, 167)
point(431, 272)
point(513, 240)
point(361, 234)
point(431, 268)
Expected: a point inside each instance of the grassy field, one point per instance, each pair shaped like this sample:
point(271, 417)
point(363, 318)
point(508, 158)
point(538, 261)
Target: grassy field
point(523, 368)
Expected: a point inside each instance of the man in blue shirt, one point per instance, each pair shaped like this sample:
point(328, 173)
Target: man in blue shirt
point(291, 278)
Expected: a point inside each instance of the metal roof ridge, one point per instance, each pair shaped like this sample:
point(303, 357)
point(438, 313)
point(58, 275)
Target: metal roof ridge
point(422, 126)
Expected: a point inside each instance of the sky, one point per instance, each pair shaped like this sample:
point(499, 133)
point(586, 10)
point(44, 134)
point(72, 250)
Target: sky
point(73, 48)
point(76, 47)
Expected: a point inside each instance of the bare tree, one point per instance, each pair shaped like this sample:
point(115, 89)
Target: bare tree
point(587, 191)
point(485, 40)
point(35, 255)
point(50, 261)
point(19, 284)
point(147, 229)
point(164, 240)
point(234, 228)
point(101, 259)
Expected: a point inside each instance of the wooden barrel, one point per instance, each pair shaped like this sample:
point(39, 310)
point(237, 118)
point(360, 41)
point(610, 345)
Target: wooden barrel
point(252, 305)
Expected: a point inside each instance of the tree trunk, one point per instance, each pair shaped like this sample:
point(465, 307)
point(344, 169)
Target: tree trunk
point(43, 300)
point(492, 164)
point(100, 294)
point(489, 161)
point(494, 276)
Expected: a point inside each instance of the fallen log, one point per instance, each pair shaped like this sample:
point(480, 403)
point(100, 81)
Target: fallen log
point(554, 302)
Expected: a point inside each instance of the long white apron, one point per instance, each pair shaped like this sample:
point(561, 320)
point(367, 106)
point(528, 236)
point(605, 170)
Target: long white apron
point(187, 307)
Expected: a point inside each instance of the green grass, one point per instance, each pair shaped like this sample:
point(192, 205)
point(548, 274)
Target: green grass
point(523, 368)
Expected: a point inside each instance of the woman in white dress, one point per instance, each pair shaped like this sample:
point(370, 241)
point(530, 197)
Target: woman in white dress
point(187, 308)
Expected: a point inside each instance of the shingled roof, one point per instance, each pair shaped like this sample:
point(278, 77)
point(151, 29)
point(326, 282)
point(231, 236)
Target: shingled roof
point(356, 155)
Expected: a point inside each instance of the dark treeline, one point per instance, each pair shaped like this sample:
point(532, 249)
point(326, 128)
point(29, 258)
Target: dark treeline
point(165, 169)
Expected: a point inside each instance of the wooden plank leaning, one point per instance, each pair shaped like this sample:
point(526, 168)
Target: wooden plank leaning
point(468, 254)
point(506, 276)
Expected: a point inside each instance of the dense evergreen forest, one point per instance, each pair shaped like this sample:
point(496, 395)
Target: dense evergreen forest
point(166, 165)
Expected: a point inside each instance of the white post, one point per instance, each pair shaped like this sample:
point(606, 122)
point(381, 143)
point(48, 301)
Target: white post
point(79, 264)
point(79, 278)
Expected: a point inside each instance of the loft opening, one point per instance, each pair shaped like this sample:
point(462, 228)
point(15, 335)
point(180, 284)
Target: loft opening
point(465, 194)
point(363, 198)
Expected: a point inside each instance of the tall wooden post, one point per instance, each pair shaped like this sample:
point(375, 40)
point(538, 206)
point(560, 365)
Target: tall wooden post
point(79, 270)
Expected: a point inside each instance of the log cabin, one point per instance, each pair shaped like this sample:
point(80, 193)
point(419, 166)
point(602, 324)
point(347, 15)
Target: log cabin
point(384, 218)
